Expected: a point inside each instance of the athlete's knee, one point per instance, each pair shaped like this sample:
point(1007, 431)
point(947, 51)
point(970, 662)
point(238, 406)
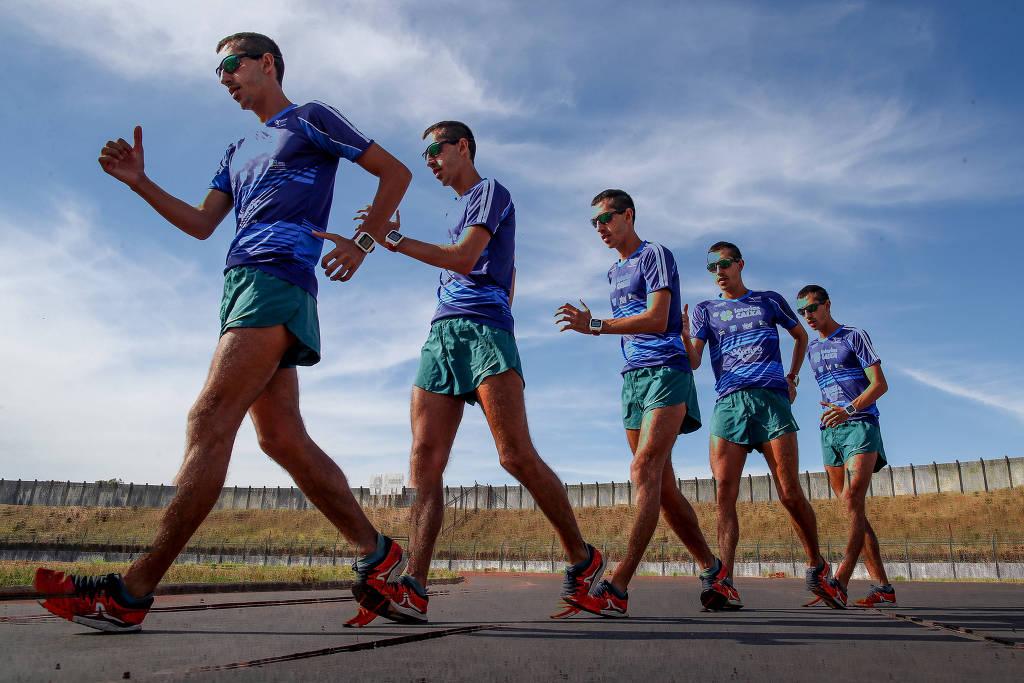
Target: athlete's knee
point(283, 444)
point(791, 497)
point(427, 460)
point(644, 466)
point(208, 422)
point(853, 502)
point(518, 460)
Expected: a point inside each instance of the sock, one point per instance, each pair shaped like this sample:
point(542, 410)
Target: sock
point(583, 565)
point(621, 595)
point(377, 555)
point(122, 595)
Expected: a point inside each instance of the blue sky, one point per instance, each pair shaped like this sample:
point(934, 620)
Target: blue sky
point(874, 148)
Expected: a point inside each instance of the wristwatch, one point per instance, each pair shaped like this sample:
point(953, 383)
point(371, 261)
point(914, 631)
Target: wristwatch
point(596, 325)
point(850, 410)
point(795, 379)
point(393, 239)
point(364, 241)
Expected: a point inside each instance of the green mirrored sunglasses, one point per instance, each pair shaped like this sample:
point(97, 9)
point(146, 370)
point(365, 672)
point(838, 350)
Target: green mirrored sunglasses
point(714, 266)
point(231, 63)
point(434, 148)
point(809, 308)
point(604, 218)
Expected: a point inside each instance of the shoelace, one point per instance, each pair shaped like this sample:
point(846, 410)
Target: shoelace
point(92, 586)
point(569, 582)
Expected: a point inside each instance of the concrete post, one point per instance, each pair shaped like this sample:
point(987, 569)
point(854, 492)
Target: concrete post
point(1009, 472)
point(913, 480)
point(984, 474)
point(892, 482)
point(935, 468)
point(959, 474)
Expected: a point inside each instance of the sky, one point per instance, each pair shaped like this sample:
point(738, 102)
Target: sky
point(874, 148)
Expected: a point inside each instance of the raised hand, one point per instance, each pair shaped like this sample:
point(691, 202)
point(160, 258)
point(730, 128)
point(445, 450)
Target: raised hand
point(572, 318)
point(123, 161)
point(686, 321)
point(342, 262)
point(363, 213)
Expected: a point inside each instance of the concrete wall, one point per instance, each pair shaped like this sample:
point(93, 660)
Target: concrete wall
point(950, 477)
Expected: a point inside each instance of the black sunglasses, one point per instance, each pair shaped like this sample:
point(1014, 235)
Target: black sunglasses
point(231, 63)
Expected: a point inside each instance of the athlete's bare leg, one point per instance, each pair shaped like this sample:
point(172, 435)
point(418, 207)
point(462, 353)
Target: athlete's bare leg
point(657, 436)
point(652, 451)
point(283, 437)
point(782, 457)
point(862, 537)
point(435, 420)
point(243, 364)
point(501, 397)
point(727, 460)
point(681, 518)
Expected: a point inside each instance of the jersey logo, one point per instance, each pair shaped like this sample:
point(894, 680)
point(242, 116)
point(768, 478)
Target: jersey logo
point(746, 354)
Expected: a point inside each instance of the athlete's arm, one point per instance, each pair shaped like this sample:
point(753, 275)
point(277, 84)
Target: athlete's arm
point(652, 321)
point(876, 387)
point(512, 292)
point(694, 345)
point(835, 415)
point(799, 335)
point(394, 179)
point(459, 257)
point(127, 163)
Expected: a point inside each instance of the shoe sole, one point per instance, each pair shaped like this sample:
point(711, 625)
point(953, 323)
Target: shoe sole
point(828, 599)
point(372, 600)
point(599, 613)
point(716, 602)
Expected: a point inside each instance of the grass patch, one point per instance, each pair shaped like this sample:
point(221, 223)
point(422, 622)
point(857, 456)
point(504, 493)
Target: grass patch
point(908, 526)
point(20, 573)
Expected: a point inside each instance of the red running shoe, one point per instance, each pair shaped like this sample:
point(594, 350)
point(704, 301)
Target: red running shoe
point(409, 599)
point(375, 582)
point(821, 582)
point(605, 601)
point(880, 596)
point(581, 578)
point(99, 602)
point(717, 592)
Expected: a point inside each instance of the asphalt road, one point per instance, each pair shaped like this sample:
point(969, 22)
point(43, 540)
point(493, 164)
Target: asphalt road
point(496, 627)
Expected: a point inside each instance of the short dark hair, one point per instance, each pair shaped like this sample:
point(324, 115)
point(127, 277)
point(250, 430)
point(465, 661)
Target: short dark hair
point(455, 130)
point(256, 43)
point(620, 200)
point(817, 290)
point(732, 248)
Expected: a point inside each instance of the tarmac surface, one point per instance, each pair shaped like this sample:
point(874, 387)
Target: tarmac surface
point(496, 628)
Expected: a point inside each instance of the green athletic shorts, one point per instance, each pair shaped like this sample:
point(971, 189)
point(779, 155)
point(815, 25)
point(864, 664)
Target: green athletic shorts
point(645, 389)
point(253, 298)
point(460, 354)
point(751, 417)
point(842, 442)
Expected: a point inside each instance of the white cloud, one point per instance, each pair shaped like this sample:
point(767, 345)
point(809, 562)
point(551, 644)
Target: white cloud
point(1003, 393)
point(362, 53)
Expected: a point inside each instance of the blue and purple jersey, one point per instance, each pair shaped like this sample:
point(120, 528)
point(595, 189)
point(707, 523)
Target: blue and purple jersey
point(281, 179)
point(838, 362)
point(743, 340)
point(483, 295)
point(647, 270)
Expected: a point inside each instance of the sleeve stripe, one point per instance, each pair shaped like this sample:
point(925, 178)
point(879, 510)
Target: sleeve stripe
point(485, 201)
point(659, 252)
point(343, 119)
